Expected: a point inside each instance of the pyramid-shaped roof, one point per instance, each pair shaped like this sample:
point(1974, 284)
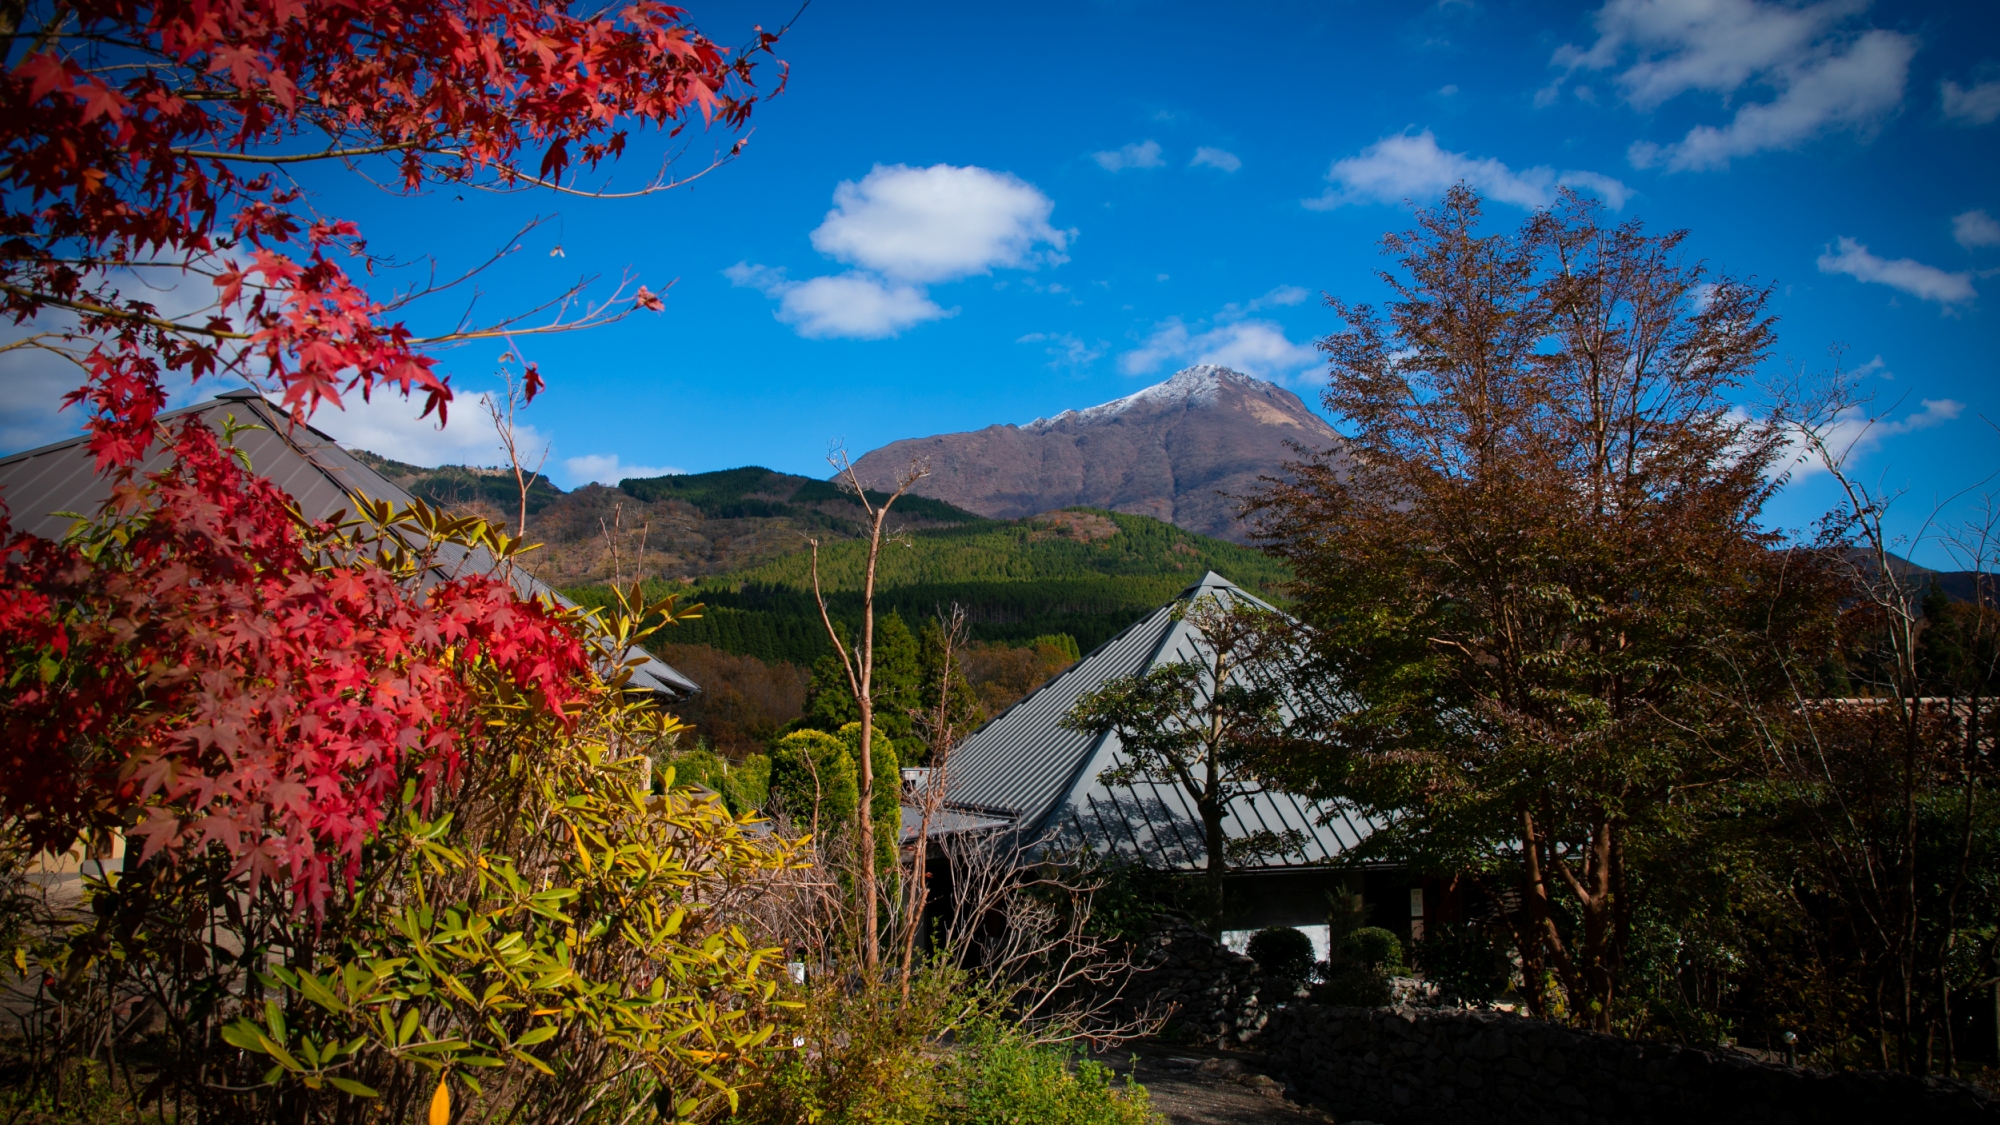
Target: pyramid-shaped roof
point(1026, 766)
point(321, 476)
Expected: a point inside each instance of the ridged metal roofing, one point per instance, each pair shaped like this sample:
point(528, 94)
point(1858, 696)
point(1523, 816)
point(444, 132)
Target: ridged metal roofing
point(1027, 766)
point(38, 486)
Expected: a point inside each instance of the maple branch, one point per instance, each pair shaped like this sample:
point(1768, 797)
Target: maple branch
point(659, 183)
point(120, 314)
point(295, 158)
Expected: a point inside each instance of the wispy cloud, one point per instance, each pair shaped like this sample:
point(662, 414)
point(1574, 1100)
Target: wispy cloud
point(1973, 229)
point(1854, 433)
point(1215, 158)
point(1907, 275)
point(606, 468)
point(1279, 297)
point(1065, 350)
point(1822, 74)
point(389, 425)
point(1416, 168)
point(1974, 105)
point(1143, 154)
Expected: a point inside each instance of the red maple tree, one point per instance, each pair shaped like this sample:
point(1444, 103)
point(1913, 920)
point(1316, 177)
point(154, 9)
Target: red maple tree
point(197, 669)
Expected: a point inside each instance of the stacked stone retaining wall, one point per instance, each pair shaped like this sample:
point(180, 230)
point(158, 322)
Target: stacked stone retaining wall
point(1405, 1066)
point(1208, 992)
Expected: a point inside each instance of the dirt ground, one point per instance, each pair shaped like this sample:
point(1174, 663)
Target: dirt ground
point(1196, 1086)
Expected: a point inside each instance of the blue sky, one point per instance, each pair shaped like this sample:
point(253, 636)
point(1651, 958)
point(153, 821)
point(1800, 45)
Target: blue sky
point(957, 216)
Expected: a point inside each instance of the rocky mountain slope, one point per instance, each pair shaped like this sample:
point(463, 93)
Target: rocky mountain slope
point(1178, 451)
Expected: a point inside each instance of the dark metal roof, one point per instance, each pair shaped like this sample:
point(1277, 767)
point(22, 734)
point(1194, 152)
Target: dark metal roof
point(947, 822)
point(39, 485)
point(1048, 779)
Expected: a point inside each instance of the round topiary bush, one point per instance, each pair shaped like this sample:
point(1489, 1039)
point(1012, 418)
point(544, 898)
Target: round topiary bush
point(1283, 952)
point(1375, 948)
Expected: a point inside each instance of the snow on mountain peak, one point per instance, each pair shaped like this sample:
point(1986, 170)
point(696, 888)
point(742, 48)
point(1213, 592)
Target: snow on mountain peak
point(1195, 386)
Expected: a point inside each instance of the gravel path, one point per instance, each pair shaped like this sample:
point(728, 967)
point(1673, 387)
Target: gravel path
point(1195, 1086)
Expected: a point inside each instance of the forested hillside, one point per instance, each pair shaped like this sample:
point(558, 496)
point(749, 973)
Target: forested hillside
point(463, 486)
point(1087, 574)
point(677, 528)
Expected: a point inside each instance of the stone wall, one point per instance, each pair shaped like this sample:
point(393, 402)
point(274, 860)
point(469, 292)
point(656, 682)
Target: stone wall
point(1215, 995)
point(1407, 1066)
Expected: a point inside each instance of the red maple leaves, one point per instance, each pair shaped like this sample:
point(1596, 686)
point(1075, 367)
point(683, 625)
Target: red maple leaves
point(124, 127)
point(196, 670)
point(192, 671)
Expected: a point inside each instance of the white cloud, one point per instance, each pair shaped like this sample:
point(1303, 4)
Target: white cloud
point(1975, 228)
point(33, 382)
point(390, 426)
point(1414, 167)
point(1912, 277)
point(606, 468)
point(36, 375)
point(1065, 350)
point(1854, 434)
point(1144, 154)
point(1612, 191)
point(1284, 296)
point(1254, 347)
point(939, 223)
point(1876, 367)
point(1975, 105)
point(1216, 158)
point(852, 305)
point(909, 227)
point(1823, 76)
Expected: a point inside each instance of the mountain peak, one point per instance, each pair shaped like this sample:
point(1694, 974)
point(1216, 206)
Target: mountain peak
point(1185, 450)
point(1195, 386)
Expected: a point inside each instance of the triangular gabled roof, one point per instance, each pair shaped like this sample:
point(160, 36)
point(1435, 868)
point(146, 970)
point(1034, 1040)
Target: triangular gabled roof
point(1026, 766)
point(321, 476)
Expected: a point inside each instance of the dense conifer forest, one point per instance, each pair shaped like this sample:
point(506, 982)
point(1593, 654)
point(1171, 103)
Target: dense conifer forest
point(1084, 573)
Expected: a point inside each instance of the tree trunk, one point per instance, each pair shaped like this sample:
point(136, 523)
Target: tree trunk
point(1599, 930)
point(1211, 823)
point(870, 924)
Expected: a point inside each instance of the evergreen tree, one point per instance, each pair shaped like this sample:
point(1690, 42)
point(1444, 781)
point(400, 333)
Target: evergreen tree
point(829, 702)
point(898, 685)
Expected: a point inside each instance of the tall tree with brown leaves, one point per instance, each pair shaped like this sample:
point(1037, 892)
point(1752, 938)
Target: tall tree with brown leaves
point(1527, 558)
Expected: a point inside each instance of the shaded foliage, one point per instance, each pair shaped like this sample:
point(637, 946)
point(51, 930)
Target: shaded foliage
point(1532, 558)
point(744, 702)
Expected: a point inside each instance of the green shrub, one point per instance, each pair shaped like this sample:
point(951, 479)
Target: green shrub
point(744, 786)
point(864, 1053)
point(1352, 986)
point(1464, 961)
point(1374, 948)
point(813, 779)
point(1358, 974)
point(747, 786)
point(887, 805)
point(997, 1077)
point(1283, 952)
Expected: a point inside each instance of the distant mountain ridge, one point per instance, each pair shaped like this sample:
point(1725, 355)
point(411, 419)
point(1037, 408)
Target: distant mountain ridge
point(1181, 451)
